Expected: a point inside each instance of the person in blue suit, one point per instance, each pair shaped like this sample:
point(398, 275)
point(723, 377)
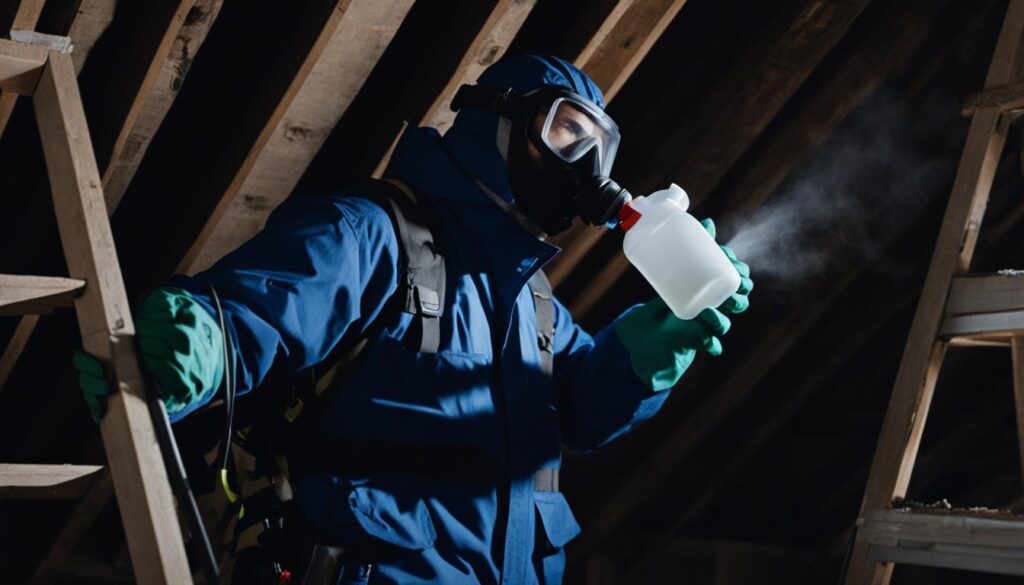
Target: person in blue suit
point(530, 151)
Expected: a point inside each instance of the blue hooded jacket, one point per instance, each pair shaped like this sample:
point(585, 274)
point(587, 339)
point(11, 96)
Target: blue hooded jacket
point(318, 275)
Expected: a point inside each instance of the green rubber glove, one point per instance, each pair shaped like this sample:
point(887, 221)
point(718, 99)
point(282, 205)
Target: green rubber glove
point(662, 346)
point(179, 343)
point(740, 300)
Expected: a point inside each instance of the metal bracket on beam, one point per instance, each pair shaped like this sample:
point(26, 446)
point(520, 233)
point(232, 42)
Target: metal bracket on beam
point(51, 42)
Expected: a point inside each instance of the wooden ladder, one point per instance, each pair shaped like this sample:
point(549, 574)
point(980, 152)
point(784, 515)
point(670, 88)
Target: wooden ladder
point(96, 289)
point(960, 309)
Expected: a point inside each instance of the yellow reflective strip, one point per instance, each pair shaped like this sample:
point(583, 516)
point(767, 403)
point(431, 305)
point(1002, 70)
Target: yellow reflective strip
point(232, 496)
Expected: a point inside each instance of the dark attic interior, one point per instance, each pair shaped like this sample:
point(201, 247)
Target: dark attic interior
point(863, 157)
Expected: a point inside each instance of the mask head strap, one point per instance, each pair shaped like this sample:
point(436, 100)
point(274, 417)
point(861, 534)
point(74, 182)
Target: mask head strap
point(505, 102)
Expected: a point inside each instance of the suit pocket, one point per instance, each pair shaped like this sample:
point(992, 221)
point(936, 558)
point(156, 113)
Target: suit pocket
point(375, 524)
point(557, 525)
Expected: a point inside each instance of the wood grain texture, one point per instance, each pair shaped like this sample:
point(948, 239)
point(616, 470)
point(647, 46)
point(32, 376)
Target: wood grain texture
point(46, 482)
point(26, 295)
point(20, 67)
point(105, 322)
point(349, 46)
point(905, 418)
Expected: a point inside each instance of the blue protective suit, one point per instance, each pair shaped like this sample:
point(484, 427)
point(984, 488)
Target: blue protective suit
point(321, 271)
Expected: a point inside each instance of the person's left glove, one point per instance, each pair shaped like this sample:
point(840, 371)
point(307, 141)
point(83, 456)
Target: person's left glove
point(179, 343)
point(662, 346)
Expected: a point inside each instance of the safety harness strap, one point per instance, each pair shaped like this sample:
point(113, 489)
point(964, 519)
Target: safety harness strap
point(545, 480)
point(421, 286)
point(545, 308)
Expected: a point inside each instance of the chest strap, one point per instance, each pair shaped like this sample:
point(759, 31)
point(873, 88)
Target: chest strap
point(421, 283)
point(545, 480)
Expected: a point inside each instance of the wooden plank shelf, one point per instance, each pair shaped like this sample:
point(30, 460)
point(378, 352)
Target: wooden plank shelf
point(986, 541)
point(34, 295)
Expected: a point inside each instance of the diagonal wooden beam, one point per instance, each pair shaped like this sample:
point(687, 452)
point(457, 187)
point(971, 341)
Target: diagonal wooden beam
point(888, 306)
point(89, 20)
point(489, 45)
point(609, 58)
point(16, 15)
point(624, 39)
point(732, 393)
point(164, 44)
point(342, 57)
point(892, 34)
point(654, 470)
point(19, 14)
point(734, 111)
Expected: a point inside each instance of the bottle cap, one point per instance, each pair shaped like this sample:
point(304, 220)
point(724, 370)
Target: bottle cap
point(628, 216)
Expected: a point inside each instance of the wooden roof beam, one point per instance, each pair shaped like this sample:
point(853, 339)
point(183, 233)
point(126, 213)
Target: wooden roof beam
point(609, 58)
point(348, 46)
point(489, 45)
point(732, 115)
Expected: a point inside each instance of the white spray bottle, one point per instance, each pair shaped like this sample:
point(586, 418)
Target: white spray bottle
point(674, 252)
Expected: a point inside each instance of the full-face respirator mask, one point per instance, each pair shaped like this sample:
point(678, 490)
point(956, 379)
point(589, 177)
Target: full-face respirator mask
point(573, 143)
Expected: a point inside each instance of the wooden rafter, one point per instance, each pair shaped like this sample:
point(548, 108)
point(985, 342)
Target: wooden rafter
point(732, 114)
point(624, 39)
point(819, 374)
point(488, 46)
point(890, 38)
point(609, 58)
point(89, 20)
point(655, 468)
point(174, 32)
point(348, 46)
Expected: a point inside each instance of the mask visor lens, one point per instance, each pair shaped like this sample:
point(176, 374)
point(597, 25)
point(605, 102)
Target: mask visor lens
point(571, 129)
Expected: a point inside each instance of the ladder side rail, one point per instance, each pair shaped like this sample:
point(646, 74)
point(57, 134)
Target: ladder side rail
point(140, 479)
point(904, 421)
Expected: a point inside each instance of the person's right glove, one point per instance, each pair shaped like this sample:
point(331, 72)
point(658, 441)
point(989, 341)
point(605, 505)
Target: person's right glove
point(662, 346)
point(179, 343)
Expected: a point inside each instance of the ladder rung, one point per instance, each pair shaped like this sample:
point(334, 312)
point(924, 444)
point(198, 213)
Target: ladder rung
point(991, 542)
point(985, 308)
point(45, 482)
point(33, 295)
point(1005, 97)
